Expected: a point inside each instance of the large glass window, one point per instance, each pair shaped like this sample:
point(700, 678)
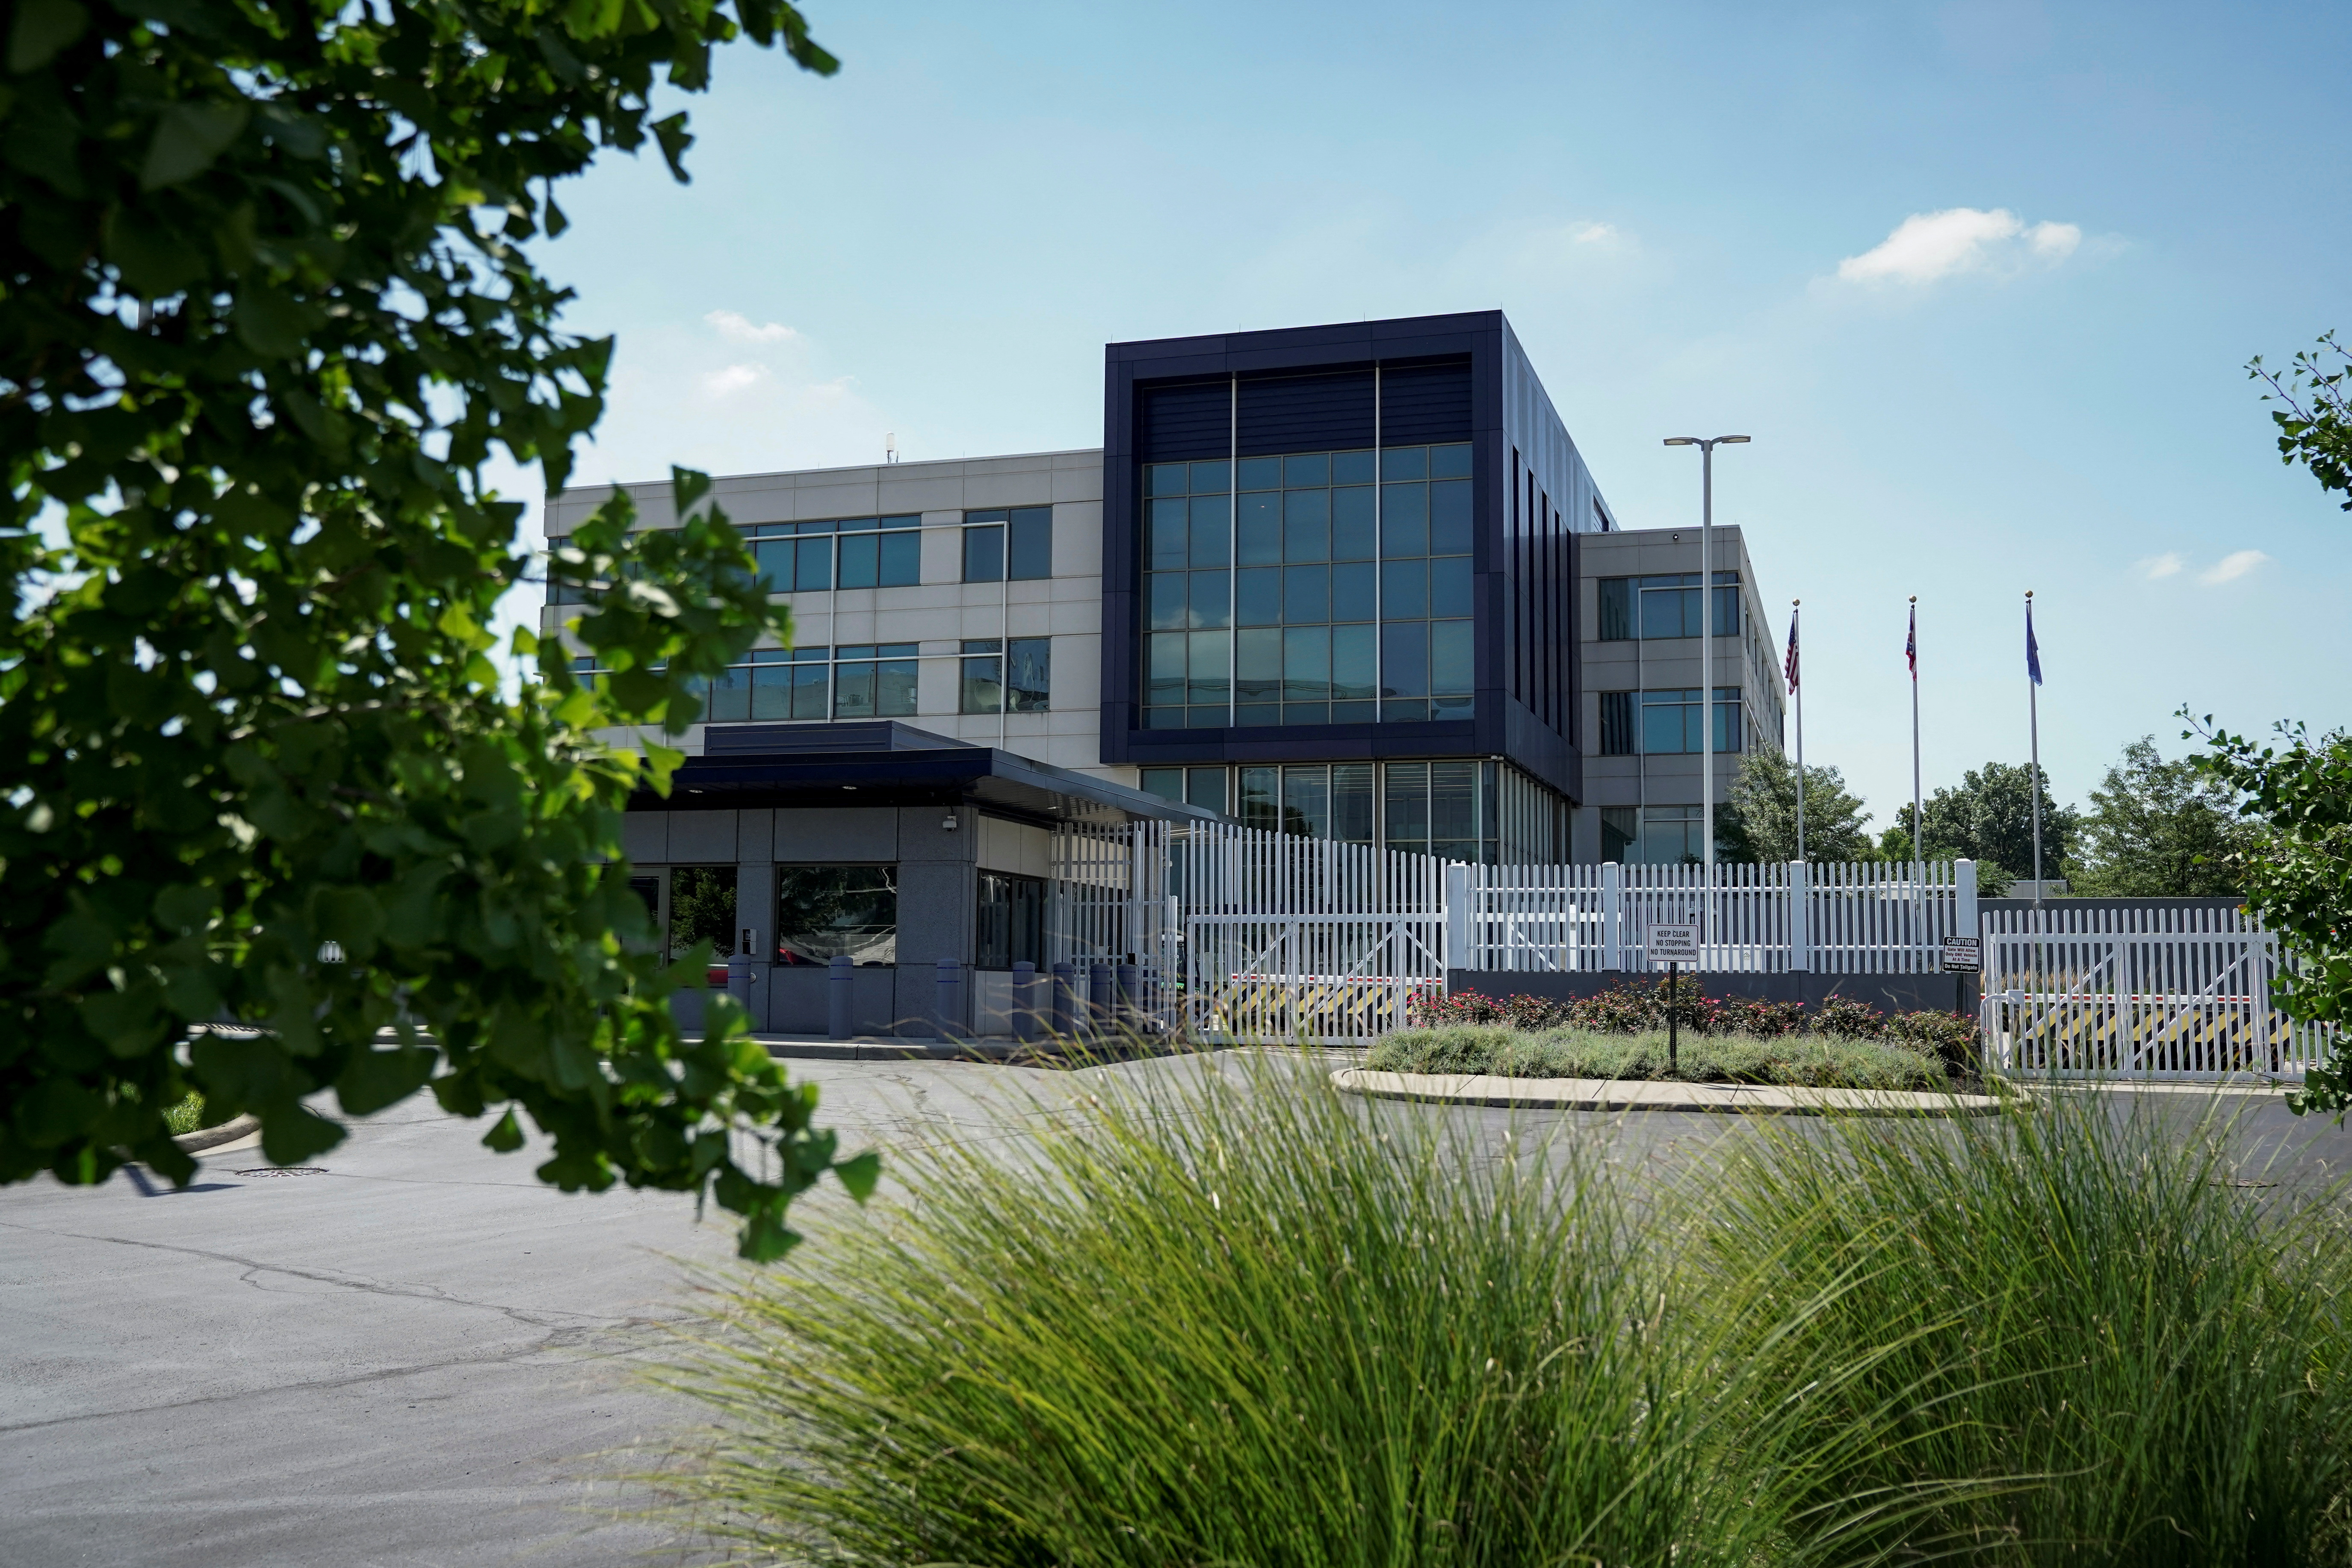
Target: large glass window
point(986, 688)
point(849, 552)
point(1665, 606)
point(822, 911)
point(1670, 721)
point(1011, 928)
point(1312, 588)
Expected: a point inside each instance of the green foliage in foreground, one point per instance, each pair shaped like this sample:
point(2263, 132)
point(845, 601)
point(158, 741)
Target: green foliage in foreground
point(2297, 878)
point(1255, 1322)
point(1815, 1060)
point(2136, 1349)
point(2314, 413)
point(1225, 1324)
point(267, 305)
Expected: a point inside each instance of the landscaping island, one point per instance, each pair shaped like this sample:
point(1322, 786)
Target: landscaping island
point(1621, 1036)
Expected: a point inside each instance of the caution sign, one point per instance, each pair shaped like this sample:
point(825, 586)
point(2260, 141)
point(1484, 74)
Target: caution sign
point(1963, 955)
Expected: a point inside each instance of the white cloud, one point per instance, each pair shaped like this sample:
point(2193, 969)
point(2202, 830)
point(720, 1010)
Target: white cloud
point(2232, 566)
point(1925, 246)
point(2167, 564)
point(733, 378)
point(1593, 233)
point(738, 328)
point(2053, 242)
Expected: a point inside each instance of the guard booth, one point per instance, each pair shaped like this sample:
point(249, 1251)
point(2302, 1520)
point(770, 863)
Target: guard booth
point(895, 848)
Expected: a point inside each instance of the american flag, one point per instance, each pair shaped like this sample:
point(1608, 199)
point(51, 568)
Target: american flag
point(1792, 650)
point(1911, 643)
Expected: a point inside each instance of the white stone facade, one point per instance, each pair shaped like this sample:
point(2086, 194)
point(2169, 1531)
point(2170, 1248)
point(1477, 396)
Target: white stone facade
point(942, 611)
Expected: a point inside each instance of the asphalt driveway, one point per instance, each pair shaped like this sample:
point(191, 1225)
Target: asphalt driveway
point(422, 1356)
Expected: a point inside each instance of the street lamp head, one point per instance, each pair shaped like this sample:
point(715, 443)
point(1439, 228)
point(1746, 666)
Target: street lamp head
point(1732, 440)
point(1682, 440)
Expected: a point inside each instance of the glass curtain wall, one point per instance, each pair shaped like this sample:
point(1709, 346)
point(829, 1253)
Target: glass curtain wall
point(1311, 588)
point(1479, 811)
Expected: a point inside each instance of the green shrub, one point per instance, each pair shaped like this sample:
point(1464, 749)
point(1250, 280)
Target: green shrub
point(1246, 1320)
point(1634, 1006)
point(2094, 1345)
point(1808, 1060)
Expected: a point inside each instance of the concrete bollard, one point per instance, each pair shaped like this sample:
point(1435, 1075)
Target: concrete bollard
point(1024, 1002)
point(1129, 1013)
point(840, 983)
point(1066, 1000)
point(947, 1012)
point(1099, 980)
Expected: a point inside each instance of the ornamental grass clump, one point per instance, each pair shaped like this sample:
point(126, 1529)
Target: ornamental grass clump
point(2098, 1342)
point(1815, 1060)
point(1234, 1319)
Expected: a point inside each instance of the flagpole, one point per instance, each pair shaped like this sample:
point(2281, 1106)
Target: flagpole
point(2033, 733)
point(2033, 728)
point(1919, 823)
point(1799, 685)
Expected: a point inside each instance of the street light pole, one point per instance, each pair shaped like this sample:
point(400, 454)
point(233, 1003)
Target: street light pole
point(1707, 446)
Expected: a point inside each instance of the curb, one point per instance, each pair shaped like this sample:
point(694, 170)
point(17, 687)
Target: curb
point(994, 1052)
point(212, 1136)
point(1649, 1094)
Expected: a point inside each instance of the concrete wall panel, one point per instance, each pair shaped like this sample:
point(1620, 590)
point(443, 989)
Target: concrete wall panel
point(825, 836)
point(645, 837)
point(702, 838)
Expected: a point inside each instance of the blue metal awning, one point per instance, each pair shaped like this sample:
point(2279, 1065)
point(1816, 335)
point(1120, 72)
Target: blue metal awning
point(886, 762)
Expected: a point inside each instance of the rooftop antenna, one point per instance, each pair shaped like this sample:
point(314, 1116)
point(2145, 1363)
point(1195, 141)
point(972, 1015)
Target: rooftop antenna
point(890, 446)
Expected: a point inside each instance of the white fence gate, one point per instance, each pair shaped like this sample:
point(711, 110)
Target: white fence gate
point(1867, 919)
point(2137, 993)
point(1288, 938)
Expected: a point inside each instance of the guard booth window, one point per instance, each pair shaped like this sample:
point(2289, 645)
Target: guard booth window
point(1012, 925)
point(702, 909)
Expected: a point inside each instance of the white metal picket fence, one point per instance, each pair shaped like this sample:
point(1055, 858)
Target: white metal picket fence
point(1238, 933)
point(1870, 918)
point(2138, 993)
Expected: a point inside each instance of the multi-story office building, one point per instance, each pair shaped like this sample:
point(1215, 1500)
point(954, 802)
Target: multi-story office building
point(1352, 582)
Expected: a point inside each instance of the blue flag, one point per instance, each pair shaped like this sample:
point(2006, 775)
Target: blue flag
point(2032, 648)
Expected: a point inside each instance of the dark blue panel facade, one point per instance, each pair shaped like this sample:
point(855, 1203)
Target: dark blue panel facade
point(1186, 420)
point(1305, 413)
point(1425, 403)
point(1442, 379)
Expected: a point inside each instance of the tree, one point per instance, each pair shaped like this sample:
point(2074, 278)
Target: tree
point(267, 311)
point(1759, 821)
point(2159, 829)
point(2316, 423)
point(2297, 876)
point(1988, 819)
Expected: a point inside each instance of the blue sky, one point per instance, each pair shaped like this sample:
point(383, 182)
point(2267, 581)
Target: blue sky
point(1696, 217)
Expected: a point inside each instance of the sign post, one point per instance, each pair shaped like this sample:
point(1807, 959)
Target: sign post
point(1673, 946)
